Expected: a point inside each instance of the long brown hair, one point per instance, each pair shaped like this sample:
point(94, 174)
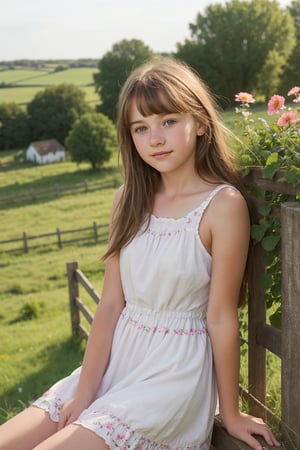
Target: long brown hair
point(165, 86)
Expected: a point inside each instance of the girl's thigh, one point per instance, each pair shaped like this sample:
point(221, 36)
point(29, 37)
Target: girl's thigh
point(26, 429)
point(73, 437)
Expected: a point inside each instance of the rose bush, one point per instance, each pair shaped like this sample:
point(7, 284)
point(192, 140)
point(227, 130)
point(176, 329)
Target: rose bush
point(274, 147)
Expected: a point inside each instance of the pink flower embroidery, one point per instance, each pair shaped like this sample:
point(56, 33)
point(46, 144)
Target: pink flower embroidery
point(244, 97)
point(109, 426)
point(287, 118)
point(276, 103)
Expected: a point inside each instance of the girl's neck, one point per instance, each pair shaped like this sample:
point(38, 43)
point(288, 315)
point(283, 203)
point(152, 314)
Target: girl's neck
point(182, 186)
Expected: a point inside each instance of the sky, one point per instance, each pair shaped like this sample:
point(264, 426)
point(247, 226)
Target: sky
point(73, 29)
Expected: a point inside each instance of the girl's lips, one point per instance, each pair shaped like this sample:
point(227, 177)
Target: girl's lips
point(160, 155)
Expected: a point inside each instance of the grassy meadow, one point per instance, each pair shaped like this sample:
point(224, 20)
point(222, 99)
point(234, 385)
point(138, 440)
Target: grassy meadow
point(23, 84)
point(34, 353)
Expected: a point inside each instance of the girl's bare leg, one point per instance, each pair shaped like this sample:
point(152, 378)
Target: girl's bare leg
point(73, 437)
point(26, 430)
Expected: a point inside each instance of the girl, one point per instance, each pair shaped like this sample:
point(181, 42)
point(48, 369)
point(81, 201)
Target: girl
point(165, 337)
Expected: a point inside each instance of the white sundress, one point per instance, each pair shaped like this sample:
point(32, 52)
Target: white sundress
point(158, 391)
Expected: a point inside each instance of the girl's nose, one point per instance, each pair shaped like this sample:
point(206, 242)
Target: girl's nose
point(156, 138)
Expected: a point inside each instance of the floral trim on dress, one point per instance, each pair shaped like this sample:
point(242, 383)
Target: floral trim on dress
point(51, 403)
point(119, 435)
point(164, 330)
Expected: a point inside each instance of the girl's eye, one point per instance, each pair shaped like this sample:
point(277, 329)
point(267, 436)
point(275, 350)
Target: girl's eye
point(169, 122)
point(140, 129)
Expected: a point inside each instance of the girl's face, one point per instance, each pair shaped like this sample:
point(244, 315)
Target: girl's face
point(166, 141)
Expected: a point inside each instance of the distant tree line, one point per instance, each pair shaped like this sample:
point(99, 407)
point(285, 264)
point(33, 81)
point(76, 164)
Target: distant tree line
point(44, 63)
point(249, 45)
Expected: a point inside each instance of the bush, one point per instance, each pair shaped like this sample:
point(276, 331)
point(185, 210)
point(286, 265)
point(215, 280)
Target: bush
point(93, 139)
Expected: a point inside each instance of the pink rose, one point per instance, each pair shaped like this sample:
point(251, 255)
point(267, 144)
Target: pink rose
point(276, 103)
point(287, 118)
point(244, 97)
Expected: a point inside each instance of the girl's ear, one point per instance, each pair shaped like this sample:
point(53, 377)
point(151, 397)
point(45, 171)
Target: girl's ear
point(202, 123)
point(202, 128)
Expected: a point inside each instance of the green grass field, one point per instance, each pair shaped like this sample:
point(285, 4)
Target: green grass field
point(24, 84)
point(33, 353)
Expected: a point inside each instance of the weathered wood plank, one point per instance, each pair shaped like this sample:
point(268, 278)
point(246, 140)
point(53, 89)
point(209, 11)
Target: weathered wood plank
point(72, 266)
point(257, 317)
point(255, 178)
point(270, 338)
point(221, 440)
point(290, 255)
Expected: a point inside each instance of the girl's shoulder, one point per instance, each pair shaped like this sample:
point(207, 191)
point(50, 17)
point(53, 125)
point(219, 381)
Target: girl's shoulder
point(228, 207)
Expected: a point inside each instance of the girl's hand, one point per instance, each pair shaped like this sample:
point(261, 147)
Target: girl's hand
point(70, 411)
point(244, 426)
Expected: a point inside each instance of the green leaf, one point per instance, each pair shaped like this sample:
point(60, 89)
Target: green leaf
point(267, 258)
point(292, 175)
point(270, 170)
point(275, 318)
point(265, 209)
point(266, 281)
point(259, 230)
point(269, 242)
point(272, 158)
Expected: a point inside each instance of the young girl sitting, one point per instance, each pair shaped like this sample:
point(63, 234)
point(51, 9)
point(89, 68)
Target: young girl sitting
point(165, 338)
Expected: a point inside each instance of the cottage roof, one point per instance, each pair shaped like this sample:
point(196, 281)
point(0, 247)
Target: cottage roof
point(48, 146)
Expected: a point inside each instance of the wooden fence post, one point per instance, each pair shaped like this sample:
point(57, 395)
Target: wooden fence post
point(72, 266)
point(59, 242)
point(256, 318)
point(290, 254)
point(95, 228)
point(25, 241)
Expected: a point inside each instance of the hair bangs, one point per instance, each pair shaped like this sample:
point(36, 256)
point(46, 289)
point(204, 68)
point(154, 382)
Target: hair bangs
point(152, 98)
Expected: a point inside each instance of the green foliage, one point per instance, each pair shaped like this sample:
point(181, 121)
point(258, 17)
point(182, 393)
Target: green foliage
point(240, 46)
point(114, 68)
point(292, 67)
point(92, 138)
point(14, 128)
point(275, 148)
point(53, 111)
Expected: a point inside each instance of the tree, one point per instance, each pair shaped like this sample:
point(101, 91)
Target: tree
point(114, 68)
point(53, 111)
point(241, 46)
point(291, 76)
point(92, 138)
point(14, 129)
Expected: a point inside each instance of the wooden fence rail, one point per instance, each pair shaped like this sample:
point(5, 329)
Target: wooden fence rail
point(96, 233)
point(56, 191)
point(284, 342)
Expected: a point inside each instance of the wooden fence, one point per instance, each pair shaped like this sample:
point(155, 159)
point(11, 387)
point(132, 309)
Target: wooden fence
point(284, 343)
point(94, 233)
point(55, 191)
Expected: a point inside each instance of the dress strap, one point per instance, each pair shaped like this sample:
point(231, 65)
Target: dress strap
point(209, 198)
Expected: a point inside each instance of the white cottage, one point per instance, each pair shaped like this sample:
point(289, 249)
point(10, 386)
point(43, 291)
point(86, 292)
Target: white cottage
point(44, 152)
